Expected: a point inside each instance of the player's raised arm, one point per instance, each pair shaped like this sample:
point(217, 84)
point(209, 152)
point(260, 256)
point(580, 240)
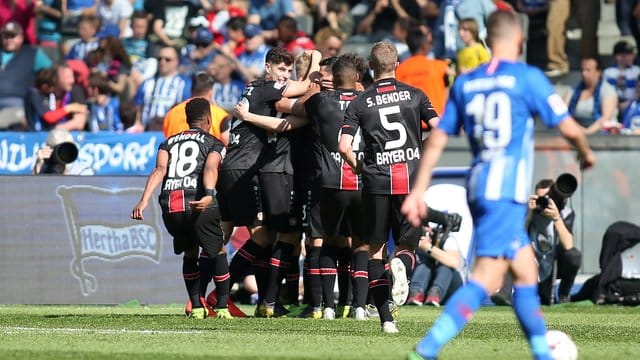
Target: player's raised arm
point(299, 88)
point(155, 178)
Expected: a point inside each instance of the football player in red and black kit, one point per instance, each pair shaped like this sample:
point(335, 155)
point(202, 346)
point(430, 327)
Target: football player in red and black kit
point(282, 217)
point(336, 205)
point(324, 110)
point(187, 166)
point(251, 152)
point(389, 115)
point(340, 206)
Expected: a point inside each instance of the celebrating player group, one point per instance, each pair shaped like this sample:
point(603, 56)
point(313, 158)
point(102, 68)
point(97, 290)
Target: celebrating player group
point(337, 159)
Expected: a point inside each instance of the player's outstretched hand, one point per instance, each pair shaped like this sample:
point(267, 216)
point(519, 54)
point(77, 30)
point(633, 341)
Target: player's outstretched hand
point(414, 208)
point(200, 205)
point(136, 213)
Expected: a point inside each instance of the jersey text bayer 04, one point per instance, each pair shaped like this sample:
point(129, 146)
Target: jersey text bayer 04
point(325, 111)
point(496, 104)
point(246, 141)
point(188, 152)
point(389, 114)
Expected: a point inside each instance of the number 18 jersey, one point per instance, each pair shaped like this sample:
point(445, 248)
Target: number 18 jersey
point(496, 104)
point(188, 152)
point(389, 114)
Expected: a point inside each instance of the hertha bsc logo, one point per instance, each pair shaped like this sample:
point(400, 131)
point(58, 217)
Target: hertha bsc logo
point(110, 237)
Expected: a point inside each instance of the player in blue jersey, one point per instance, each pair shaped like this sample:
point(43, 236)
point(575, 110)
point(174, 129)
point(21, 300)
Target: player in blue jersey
point(495, 104)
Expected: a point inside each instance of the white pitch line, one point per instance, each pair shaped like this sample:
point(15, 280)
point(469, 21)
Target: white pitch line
point(19, 329)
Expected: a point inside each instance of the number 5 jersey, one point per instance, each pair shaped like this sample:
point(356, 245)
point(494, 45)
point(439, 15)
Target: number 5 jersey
point(389, 115)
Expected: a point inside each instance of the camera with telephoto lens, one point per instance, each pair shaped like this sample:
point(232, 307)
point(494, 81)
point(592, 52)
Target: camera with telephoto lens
point(61, 155)
point(564, 186)
point(449, 221)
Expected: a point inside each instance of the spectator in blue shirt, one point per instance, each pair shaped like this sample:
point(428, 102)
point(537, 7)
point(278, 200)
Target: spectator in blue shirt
point(157, 95)
point(227, 91)
point(196, 55)
point(103, 108)
point(631, 115)
point(268, 12)
point(250, 64)
point(141, 51)
point(88, 30)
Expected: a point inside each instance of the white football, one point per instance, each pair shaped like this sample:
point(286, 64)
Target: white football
point(562, 347)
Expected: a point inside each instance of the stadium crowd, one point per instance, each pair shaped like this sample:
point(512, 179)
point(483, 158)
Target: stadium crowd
point(132, 61)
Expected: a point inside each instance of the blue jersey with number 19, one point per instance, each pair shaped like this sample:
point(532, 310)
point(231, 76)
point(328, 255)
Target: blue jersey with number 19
point(496, 104)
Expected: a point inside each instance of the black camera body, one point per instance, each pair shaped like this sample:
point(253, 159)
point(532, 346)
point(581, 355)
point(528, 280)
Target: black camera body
point(542, 202)
point(562, 189)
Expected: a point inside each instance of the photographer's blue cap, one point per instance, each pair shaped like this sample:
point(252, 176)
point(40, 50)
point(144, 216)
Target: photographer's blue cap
point(203, 36)
point(252, 30)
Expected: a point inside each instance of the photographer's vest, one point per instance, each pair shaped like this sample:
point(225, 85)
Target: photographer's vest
point(544, 239)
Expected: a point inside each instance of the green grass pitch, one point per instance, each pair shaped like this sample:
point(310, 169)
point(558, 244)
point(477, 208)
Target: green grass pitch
point(161, 332)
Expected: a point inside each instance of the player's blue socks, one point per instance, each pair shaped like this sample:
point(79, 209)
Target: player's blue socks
point(527, 308)
point(460, 307)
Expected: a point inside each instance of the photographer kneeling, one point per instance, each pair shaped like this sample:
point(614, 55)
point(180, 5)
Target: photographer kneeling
point(443, 249)
point(549, 224)
point(550, 227)
point(437, 274)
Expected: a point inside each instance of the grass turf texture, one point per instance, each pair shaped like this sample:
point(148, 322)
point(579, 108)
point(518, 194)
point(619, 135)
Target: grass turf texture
point(161, 332)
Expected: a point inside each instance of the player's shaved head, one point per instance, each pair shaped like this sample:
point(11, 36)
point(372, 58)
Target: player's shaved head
point(502, 26)
point(345, 73)
point(384, 58)
point(197, 111)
